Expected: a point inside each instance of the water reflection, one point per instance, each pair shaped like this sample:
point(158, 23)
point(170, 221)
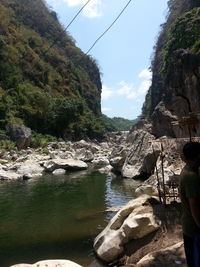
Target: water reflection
point(119, 191)
point(56, 217)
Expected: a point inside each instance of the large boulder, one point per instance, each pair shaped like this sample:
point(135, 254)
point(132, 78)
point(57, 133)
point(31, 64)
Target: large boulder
point(59, 172)
point(84, 155)
point(29, 168)
point(118, 157)
point(49, 263)
point(8, 175)
point(141, 158)
point(67, 164)
point(100, 162)
point(90, 146)
point(162, 119)
point(133, 221)
point(106, 169)
point(20, 134)
point(172, 163)
point(117, 163)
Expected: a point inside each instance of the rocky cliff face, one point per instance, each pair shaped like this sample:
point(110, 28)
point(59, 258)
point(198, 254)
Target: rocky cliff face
point(182, 95)
point(176, 70)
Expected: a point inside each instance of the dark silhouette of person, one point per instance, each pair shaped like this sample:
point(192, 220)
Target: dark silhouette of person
point(190, 198)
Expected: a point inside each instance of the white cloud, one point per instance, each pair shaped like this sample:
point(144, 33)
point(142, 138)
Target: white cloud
point(132, 95)
point(144, 87)
point(146, 74)
point(132, 107)
point(106, 92)
point(105, 109)
point(92, 10)
point(127, 90)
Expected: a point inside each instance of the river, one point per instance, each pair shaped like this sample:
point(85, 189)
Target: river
point(57, 217)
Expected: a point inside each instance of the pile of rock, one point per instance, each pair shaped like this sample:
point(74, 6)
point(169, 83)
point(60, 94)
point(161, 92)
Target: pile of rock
point(57, 158)
point(133, 221)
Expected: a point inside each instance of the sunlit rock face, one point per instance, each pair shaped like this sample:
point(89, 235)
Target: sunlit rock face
point(133, 221)
point(181, 96)
point(135, 158)
point(49, 263)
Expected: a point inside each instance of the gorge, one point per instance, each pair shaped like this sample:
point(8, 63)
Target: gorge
point(67, 168)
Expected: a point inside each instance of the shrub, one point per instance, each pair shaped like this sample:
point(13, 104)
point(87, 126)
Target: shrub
point(185, 34)
point(7, 145)
point(40, 140)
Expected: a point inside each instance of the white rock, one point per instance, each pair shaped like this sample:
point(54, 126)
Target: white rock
point(59, 172)
point(67, 155)
point(94, 147)
point(117, 163)
point(8, 175)
point(147, 190)
point(133, 221)
point(84, 155)
point(49, 263)
point(129, 171)
point(100, 162)
point(3, 161)
point(87, 145)
point(138, 159)
point(49, 166)
point(106, 169)
point(104, 145)
point(30, 167)
point(67, 164)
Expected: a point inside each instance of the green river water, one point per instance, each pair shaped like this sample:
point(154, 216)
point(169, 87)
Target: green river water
point(57, 217)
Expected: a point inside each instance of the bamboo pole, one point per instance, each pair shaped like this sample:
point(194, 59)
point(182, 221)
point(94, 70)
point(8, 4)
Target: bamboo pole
point(158, 180)
point(163, 175)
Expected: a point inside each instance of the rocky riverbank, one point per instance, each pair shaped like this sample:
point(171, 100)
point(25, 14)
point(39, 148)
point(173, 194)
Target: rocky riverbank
point(131, 154)
point(57, 158)
point(137, 229)
point(145, 232)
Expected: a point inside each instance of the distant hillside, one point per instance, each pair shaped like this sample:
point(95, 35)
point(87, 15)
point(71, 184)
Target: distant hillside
point(122, 124)
point(54, 91)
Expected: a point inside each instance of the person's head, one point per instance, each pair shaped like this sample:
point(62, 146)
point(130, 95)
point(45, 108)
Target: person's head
point(191, 153)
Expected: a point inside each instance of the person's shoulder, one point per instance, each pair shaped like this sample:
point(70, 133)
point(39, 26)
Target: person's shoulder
point(188, 175)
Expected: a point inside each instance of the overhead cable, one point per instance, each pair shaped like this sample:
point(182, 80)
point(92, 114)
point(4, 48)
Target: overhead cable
point(109, 27)
point(66, 28)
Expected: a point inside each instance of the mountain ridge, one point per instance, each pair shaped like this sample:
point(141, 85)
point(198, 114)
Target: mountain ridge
point(54, 91)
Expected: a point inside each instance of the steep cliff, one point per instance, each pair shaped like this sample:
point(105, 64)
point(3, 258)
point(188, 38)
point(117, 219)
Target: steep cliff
point(55, 91)
point(175, 89)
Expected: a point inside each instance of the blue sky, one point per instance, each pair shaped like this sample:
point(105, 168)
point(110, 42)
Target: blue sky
point(124, 53)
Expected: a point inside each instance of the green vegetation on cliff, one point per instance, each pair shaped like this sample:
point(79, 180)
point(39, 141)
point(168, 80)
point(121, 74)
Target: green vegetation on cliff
point(54, 91)
point(181, 31)
point(183, 34)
